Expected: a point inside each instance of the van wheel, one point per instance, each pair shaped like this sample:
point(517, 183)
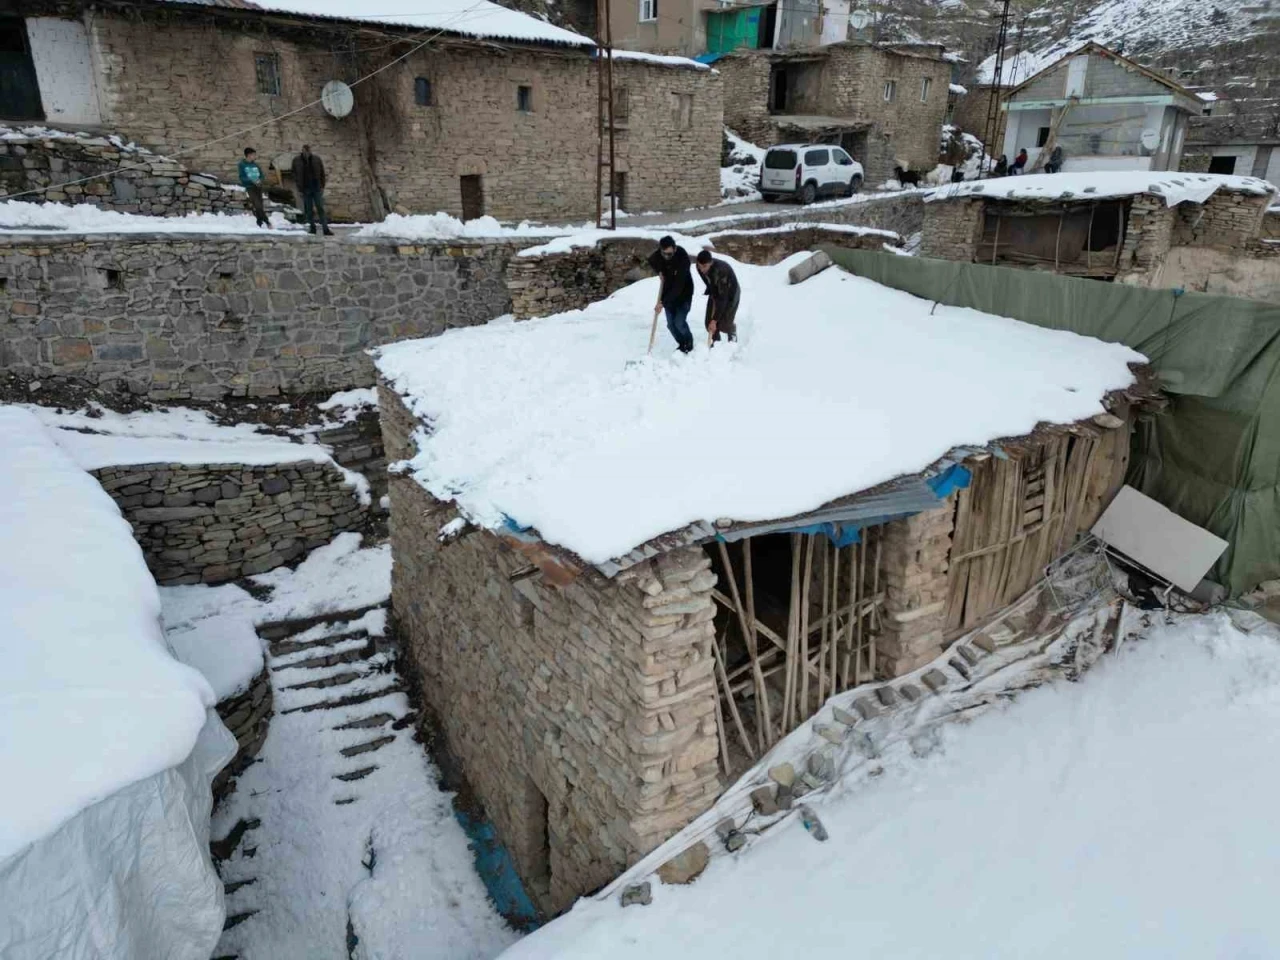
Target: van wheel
point(808, 193)
point(855, 184)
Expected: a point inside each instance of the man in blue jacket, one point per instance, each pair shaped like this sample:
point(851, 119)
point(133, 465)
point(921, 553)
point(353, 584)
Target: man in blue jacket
point(251, 180)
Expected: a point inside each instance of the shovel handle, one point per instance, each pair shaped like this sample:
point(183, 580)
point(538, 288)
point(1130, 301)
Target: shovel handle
point(653, 328)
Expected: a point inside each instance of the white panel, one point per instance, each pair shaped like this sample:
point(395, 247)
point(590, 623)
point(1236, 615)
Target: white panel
point(64, 67)
point(835, 21)
point(1076, 70)
point(1159, 539)
point(1273, 168)
point(1086, 164)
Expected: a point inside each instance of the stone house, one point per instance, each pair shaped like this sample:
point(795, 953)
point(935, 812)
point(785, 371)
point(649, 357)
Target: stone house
point(694, 28)
point(1107, 112)
point(885, 104)
point(495, 116)
point(598, 707)
point(1128, 231)
point(1235, 142)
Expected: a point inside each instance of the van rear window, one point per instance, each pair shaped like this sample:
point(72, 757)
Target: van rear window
point(780, 159)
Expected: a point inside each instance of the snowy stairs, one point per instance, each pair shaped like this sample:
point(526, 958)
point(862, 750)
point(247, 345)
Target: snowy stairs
point(331, 670)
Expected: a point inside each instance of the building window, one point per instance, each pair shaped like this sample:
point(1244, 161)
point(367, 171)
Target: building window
point(1042, 136)
point(422, 92)
point(267, 68)
point(621, 104)
point(648, 10)
point(925, 84)
point(890, 90)
point(1225, 165)
point(524, 99)
point(684, 110)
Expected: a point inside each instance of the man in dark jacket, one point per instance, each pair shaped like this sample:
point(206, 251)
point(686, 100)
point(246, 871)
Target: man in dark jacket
point(308, 180)
point(675, 295)
point(723, 294)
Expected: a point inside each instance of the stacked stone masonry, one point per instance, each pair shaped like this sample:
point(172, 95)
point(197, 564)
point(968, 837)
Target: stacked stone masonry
point(175, 78)
point(214, 523)
point(126, 181)
point(583, 715)
point(915, 564)
point(208, 317)
point(247, 715)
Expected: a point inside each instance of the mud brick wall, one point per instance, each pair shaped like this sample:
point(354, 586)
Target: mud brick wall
point(213, 523)
point(583, 716)
point(137, 182)
point(208, 317)
point(247, 716)
point(173, 79)
point(952, 229)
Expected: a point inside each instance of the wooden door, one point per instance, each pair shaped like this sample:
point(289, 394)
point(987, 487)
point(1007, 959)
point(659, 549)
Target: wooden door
point(472, 197)
point(19, 89)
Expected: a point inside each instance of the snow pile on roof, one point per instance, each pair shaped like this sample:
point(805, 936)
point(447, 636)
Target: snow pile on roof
point(957, 89)
point(18, 216)
point(91, 700)
point(659, 59)
point(1161, 25)
point(442, 226)
point(835, 387)
point(1174, 187)
point(40, 132)
point(1127, 815)
point(476, 18)
point(97, 437)
point(1208, 96)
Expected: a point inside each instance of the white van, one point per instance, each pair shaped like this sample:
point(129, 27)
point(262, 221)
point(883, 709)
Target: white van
point(808, 171)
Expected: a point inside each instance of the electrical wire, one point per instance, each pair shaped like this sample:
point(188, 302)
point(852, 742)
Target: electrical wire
point(257, 126)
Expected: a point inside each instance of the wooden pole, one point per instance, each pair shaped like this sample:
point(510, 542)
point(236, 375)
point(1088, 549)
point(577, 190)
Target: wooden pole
point(793, 628)
point(1088, 240)
point(836, 631)
point(1057, 240)
point(826, 627)
point(613, 170)
point(874, 612)
point(733, 710)
point(600, 5)
point(803, 713)
point(747, 622)
point(995, 244)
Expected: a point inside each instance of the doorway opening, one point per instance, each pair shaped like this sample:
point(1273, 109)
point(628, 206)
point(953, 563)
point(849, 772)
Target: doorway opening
point(19, 88)
point(472, 186)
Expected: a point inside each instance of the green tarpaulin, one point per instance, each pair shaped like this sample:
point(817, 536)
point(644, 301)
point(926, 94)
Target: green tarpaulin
point(1214, 456)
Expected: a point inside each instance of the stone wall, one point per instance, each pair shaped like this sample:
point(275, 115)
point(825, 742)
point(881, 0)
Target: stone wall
point(952, 229)
point(1232, 220)
point(174, 79)
point(1270, 225)
point(544, 285)
point(584, 715)
point(209, 317)
point(971, 117)
point(210, 523)
point(137, 182)
point(247, 716)
point(914, 564)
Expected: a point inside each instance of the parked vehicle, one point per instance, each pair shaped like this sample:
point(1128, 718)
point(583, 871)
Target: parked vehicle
point(807, 171)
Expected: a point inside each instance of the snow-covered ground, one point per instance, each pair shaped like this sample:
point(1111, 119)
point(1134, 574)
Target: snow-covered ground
point(1174, 187)
point(91, 700)
point(600, 455)
point(337, 846)
point(18, 216)
point(1127, 815)
point(740, 181)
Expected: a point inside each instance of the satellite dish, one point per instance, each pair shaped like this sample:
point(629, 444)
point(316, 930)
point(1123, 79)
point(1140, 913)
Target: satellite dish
point(1150, 138)
point(336, 98)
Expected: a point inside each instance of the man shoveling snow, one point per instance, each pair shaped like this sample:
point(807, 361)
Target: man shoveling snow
point(675, 294)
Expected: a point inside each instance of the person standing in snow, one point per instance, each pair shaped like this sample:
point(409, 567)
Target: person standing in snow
point(309, 181)
point(1019, 162)
point(723, 294)
point(251, 180)
point(675, 293)
point(1055, 160)
point(1002, 167)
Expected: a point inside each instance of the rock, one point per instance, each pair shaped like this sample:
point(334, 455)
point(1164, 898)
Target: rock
point(984, 643)
point(910, 692)
point(966, 651)
point(959, 666)
point(887, 695)
point(844, 716)
point(274, 485)
point(935, 680)
point(762, 799)
point(831, 732)
point(784, 774)
point(866, 707)
point(822, 764)
point(685, 867)
point(637, 894)
point(735, 842)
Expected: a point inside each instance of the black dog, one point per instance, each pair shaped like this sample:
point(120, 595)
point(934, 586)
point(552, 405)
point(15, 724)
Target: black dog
point(908, 178)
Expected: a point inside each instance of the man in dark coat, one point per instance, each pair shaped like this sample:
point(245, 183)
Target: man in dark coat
point(675, 295)
point(723, 294)
point(309, 181)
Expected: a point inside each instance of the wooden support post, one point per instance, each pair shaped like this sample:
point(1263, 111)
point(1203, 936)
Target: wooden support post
point(1088, 239)
point(793, 629)
point(747, 622)
point(874, 612)
point(826, 625)
point(995, 244)
point(1057, 240)
point(803, 713)
point(836, 629)
point(733, 710)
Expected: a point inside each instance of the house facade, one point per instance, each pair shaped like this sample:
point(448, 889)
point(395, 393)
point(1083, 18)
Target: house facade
point(469, 126)
point(1231, 141)
point(1104, 110)
point(884, 104)
point(693, 28)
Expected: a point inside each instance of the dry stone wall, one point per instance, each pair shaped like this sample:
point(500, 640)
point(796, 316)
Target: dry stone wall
point(583, 716)
point(247, 716)
point(952, 229)
point(129, 181)
point(915, 564)
point(214, 523)
point(209, 317)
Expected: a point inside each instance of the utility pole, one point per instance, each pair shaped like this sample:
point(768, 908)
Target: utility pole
point(993, 104)
point(613, 175)
point(600, 6)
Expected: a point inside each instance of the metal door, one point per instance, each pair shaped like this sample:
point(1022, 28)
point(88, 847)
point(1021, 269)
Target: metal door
point(19, 89)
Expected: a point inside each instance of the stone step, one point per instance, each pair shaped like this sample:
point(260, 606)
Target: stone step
point(224, 848)
point(235, 919)
point(282, 648)
point(367, 723)
point(328, 660)
point(369, 747)
point(349, 701)
point(343, 801)
point(230, 888)
point(355, 774)
point(337, 680)
point(279, 629)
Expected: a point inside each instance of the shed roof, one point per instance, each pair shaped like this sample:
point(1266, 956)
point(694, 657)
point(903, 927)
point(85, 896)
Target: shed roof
point(1175, 188)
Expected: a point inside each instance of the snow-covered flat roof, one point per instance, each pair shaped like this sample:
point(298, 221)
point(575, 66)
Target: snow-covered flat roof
point(91, 699)
point(1174, 187)
point(837, 385)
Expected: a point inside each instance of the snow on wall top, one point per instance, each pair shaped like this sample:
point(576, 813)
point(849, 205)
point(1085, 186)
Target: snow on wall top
point(1135, 24)
point(91, 699)
point(1174, 187)
point(808, 407)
